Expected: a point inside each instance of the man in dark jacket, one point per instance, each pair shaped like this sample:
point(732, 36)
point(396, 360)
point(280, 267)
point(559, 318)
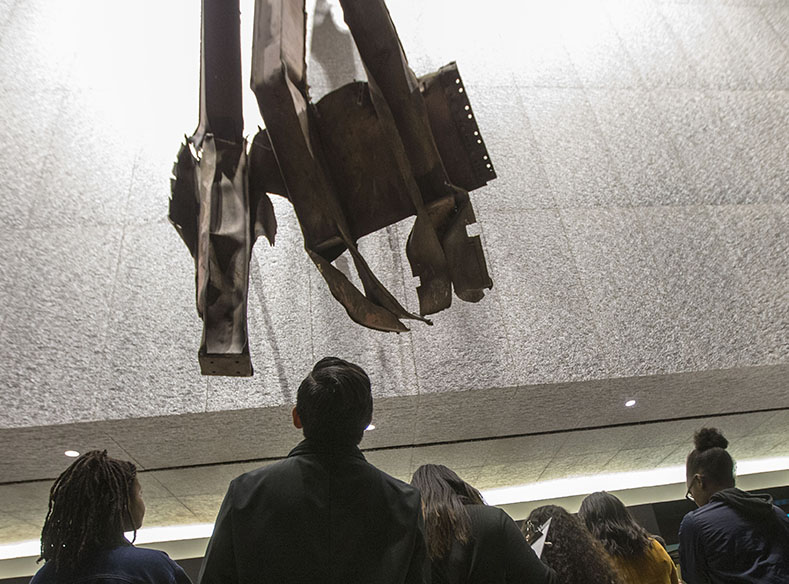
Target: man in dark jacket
point(734, 536)
point(324, 514)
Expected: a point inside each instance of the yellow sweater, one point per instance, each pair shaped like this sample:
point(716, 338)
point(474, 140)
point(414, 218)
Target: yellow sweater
point(654, 566)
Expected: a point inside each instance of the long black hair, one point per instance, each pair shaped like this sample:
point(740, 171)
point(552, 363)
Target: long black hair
point(444, 497)
point(711, 458)
point(88, 509)
point(571, 550)
point(610, 522)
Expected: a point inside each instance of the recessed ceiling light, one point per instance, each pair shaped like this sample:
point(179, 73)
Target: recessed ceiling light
point(71, 453)
point(370, 427)
point(630, 403)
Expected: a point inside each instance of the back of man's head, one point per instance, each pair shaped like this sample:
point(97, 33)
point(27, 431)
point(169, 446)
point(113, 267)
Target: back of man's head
point(334, 402)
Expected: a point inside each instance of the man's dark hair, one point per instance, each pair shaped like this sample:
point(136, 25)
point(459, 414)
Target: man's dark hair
point(88, 508)
point(334, 402)
point(710, 457)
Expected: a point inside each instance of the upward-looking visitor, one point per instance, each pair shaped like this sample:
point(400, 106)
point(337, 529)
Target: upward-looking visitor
point(324, 514)
point(469, 542)
point(91, 504)
point(638, 557)
point(733, 536)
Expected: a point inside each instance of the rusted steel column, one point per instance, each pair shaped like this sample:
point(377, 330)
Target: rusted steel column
point(211, 206)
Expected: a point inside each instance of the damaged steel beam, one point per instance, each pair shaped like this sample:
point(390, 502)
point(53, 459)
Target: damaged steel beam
point(212, 206)
point(365, 156)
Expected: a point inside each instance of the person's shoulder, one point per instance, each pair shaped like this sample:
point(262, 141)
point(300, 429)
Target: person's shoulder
point(712, 513)
point(782, 515)
point(254, 477)
point(483, 516)
point(385, 476)
point(688, 522)
point(43, 575)
point(491, 524)
point(657, 550)
point(708, 517)
point(140, 556)
point(398, 493)
point(659, 556)
point(393, 482)
point(150, 565)
point(124, 562)
point(482, 510)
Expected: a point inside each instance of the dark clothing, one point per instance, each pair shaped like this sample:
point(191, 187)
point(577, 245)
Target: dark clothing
point(322, 515)
point(124, 564)
point(497, 553)
point(736, 537)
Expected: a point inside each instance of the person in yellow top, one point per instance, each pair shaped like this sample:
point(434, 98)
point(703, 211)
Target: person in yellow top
point(639, 558)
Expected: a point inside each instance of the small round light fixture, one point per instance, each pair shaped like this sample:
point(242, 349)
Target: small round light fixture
point(370, 427)
point(630, 403)
point(71, 453)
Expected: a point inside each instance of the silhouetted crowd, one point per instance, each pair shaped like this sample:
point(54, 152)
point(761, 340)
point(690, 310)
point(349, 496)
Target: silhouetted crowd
point(326, 515)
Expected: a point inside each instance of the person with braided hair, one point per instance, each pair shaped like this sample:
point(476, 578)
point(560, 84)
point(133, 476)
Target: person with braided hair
point(733, 536)
point(91, 504)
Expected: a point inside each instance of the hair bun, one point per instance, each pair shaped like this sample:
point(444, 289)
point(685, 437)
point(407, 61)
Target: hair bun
point(707, 438)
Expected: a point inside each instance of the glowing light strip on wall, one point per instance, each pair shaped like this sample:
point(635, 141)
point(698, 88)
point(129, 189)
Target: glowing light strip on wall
point(554, 489)
point(620, 481)
point(146, 535)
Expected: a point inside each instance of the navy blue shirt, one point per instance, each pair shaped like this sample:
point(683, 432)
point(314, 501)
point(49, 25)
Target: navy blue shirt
point(124, 564)
point(735, 538)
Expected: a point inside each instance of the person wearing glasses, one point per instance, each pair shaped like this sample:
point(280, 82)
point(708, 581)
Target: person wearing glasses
point(733, 536)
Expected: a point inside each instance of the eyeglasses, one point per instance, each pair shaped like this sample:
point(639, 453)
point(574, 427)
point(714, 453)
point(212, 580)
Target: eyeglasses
point(689, 495)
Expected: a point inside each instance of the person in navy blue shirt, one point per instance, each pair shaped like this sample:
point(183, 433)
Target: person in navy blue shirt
point(91, 505)
point(733, 537)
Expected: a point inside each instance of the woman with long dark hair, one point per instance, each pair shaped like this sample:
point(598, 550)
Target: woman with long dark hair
point(570, 549)
point(91, 504)
point(639, 558)
point(733, 536)
point(468, 541)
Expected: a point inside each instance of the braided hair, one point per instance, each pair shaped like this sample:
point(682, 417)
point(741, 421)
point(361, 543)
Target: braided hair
point(88, 509)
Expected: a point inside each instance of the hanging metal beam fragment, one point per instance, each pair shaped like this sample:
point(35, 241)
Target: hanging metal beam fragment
point(367, 155)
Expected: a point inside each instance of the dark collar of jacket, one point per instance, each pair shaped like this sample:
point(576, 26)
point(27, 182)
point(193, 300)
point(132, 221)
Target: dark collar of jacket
point(756, 506)
point(308, 446)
